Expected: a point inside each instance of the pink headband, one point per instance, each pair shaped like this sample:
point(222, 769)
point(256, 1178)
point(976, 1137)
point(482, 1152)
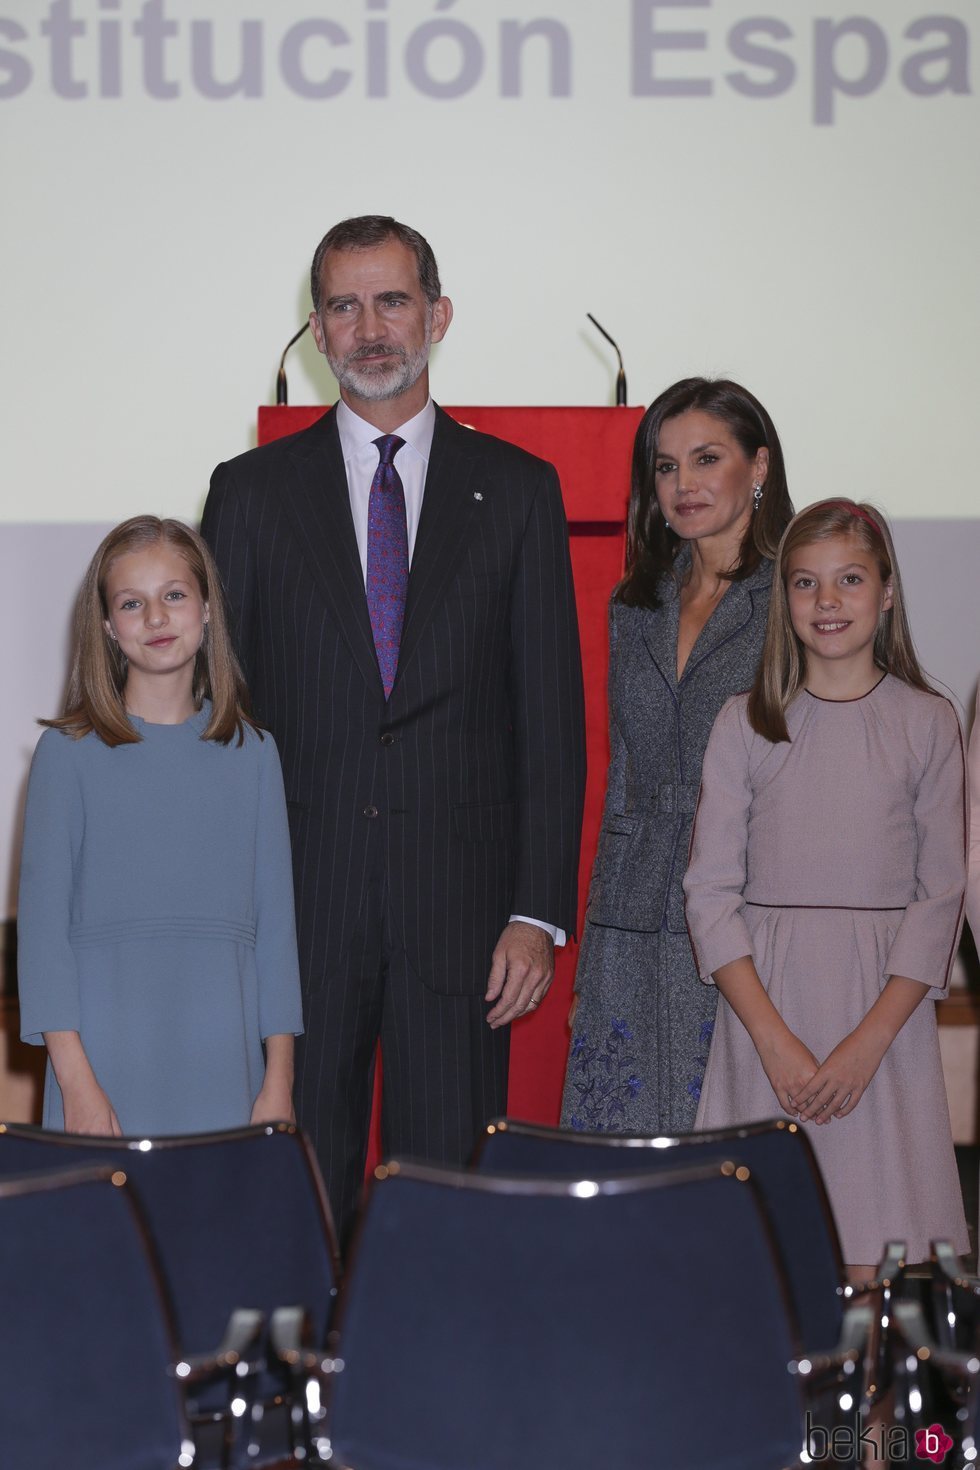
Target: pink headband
point(855, 510)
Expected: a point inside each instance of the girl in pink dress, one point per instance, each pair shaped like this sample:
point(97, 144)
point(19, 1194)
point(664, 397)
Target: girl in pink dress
point(825, 888)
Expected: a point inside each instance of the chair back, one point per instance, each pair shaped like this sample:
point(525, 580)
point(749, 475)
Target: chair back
point(784, 1170)
point(85, 1342)
point(505, 1324)
point(238, 1219)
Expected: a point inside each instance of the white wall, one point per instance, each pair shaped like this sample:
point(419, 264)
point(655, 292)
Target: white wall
point(818, 245)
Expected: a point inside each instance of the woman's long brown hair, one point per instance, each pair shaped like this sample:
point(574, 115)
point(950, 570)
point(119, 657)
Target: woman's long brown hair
point(94, 700)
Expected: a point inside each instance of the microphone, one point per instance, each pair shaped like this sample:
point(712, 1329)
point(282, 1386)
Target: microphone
point(282, 390)
point(621, 375)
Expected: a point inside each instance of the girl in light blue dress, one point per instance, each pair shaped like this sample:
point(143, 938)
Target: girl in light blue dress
point(156, 934)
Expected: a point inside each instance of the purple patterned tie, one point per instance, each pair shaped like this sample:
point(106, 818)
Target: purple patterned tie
point(387, 558)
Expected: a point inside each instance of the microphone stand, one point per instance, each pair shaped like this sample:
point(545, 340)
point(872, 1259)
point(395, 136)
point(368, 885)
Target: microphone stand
point(282, 391)
point(621, 375)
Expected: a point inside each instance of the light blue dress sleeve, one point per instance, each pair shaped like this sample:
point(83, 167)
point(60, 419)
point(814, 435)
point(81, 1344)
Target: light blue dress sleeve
point(276, 958)
point(53, 828)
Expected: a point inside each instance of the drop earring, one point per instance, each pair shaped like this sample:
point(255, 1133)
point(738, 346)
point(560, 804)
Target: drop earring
point(756, 496)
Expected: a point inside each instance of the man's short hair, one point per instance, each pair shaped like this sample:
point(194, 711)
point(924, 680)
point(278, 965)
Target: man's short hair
point(367, 232)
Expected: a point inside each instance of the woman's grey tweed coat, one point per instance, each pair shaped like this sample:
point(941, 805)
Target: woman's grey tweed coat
point(644, 1019)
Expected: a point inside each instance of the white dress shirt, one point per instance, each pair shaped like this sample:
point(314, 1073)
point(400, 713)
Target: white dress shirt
point(360, 453)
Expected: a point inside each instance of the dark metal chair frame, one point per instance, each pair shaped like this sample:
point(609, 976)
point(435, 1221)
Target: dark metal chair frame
point(257, 1385)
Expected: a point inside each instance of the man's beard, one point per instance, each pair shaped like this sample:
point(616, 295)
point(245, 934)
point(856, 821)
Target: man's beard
point(357, 377)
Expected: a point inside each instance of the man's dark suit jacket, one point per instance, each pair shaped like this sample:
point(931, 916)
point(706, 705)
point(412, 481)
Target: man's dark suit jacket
point(472, 774)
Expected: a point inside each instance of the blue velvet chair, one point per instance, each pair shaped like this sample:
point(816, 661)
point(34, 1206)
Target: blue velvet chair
point(783, 1167)
point(238, 1220)
point(502, 1323)
point(86, 1344)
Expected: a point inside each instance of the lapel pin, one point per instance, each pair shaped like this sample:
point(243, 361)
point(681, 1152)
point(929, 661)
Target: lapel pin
point(477, 494)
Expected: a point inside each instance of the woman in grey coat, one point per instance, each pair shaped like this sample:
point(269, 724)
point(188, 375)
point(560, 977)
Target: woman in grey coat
point(708, 505)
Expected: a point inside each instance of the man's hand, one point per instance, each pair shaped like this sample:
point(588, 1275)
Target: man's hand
point(522, 968)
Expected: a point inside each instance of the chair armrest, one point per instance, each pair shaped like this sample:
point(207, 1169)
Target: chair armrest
point(947, 1264)
point(955, 1306)
point(310, 1371)
point(291, 1340)
point(932, 1382)
point(833, 1381)
point(888, 1273)
point(291, 1337)
point(876, 1295)
point(239, 1352)
point(910, 1327)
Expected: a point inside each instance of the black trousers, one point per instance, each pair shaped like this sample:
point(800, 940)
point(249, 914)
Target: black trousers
point(445, 1070)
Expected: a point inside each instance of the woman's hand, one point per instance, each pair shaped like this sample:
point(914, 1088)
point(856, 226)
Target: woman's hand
point(789, 1065)
point(274, 1104)
point(839, 1084)
point(836, 1088)
point(88, 1110)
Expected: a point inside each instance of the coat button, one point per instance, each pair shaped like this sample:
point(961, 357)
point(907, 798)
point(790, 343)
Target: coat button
point(370, 811)
point(387, 738)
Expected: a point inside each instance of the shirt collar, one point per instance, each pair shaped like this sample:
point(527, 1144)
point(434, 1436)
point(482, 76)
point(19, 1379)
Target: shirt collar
point(356, 433)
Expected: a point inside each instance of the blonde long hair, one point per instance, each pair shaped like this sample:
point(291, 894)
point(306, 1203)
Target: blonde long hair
point(94, 700)
point(782, 667)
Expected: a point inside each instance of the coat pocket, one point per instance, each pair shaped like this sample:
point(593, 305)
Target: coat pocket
point(629, 878)
point(618, 826)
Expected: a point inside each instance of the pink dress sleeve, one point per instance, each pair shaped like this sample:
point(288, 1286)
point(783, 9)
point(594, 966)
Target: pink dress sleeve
point(973, 874)
point(929, 933)
point(715, 876)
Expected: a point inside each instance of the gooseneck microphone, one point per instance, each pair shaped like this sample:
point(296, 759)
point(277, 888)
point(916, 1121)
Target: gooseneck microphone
point(282, 389)
point(621, 375)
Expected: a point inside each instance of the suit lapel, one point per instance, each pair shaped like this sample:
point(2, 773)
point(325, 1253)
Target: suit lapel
point(317, 504)
point(452, 480)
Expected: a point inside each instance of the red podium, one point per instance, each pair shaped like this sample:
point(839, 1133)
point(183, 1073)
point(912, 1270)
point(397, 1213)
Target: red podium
point(591, 449)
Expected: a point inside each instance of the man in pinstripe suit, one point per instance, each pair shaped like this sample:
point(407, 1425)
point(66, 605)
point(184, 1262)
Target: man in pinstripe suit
point(436, 827)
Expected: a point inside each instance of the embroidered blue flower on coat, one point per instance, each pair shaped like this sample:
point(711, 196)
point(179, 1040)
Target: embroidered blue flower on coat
point(605, 1080)
point(705, 1034)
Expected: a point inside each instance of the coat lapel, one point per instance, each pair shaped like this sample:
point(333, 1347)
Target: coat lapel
point(729, 617)
point(453, 478)
point(318, 506)
point(732, 613)
point(660, 630)
point(660, 636)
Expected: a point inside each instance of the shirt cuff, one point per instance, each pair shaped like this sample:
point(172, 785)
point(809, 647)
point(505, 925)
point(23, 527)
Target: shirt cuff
point(558, 935)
